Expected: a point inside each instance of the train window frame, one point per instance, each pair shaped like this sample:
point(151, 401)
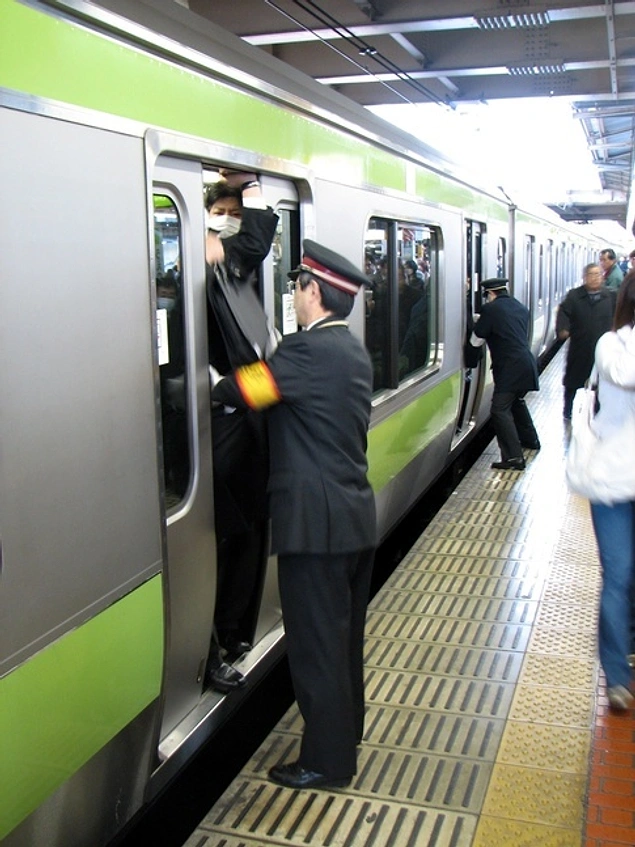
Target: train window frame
point(393, 335)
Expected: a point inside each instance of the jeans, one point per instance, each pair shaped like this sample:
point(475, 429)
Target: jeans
point(615, 533)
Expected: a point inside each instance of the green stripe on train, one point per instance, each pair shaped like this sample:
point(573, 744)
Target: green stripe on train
point(46, 57)
point(396, 441)
point(69, 700)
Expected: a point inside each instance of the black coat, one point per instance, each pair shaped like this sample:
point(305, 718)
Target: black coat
point(238, 334)
point(504, 324)
point(585, 318)
point(320, 500)
point(237, 323)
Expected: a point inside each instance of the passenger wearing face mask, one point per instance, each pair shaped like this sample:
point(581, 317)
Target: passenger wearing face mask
point(239, 233)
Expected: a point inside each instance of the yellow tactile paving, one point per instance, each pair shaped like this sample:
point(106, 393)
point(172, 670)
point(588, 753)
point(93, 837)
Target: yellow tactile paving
point(496, 832)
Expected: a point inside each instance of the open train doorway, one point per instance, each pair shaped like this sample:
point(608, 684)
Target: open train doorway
point(472, 358)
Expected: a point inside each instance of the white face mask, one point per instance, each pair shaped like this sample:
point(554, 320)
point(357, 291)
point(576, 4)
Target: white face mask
point(167, 303)
point(224, 225)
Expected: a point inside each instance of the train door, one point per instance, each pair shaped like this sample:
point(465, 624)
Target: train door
point(474, 252)
point(182, 341)
point(189, 574)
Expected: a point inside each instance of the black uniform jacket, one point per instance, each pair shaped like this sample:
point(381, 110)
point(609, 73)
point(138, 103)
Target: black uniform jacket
point(504, 324)
point(585, 318)
point(318, 385)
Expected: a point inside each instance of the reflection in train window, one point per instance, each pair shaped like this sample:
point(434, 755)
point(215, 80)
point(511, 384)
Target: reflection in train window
point(402, 304)
point(171, 346)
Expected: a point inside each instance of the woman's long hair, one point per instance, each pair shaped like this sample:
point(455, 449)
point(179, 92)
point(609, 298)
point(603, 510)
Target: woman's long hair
point(625, 307)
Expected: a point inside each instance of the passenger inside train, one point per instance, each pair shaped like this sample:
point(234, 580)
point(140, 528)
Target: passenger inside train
point(239, 234)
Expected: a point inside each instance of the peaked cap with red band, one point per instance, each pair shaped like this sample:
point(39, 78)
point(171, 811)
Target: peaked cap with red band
point(330, 267)
point(494, 284)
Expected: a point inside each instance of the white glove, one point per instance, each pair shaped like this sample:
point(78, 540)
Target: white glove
point(214, 377)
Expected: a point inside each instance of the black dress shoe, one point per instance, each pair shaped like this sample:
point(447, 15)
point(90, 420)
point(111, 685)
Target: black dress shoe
point(294, 775)
point(509, 465)
point(224, 678)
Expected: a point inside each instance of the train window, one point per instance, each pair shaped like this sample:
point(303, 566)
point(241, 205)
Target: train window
point(416, 245)
point(285, 258)
point(541, 276)
point(171, 347)
point(501, 259)
point(530, 258)
point(379, 308)
point(402, 304)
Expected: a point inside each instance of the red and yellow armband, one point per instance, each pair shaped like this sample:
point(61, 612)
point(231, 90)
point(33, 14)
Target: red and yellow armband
point(257, 386)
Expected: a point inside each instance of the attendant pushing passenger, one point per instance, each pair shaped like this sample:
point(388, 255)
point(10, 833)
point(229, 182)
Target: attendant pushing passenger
point(240, 230)
point(318, 384)
point(504, 324)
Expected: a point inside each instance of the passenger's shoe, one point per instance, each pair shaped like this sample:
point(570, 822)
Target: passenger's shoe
point(530, 445)
point(224, 678)
point(293, 775)
point(509, 465)
point(620, 698)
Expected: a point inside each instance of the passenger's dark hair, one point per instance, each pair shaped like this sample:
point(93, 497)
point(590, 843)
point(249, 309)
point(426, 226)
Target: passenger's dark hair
point(609, 253)
point(625, 307)
point(631, 255)
point(220, 190)
point(333, 299)
point(588, 267)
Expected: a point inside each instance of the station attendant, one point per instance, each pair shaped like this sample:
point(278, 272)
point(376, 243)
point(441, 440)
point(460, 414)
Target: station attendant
point(317, 387)
point(504, 324)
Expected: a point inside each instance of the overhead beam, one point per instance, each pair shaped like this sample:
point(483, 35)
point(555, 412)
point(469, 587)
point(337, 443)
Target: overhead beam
point(440, 25)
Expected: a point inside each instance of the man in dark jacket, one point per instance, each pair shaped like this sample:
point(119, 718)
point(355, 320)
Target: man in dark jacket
point(240, 230)
point(504, 325)
point(613, 274)
point(318, 386)
point(584, 315)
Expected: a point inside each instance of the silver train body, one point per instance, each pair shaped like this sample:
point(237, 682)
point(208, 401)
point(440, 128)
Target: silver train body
point(113, 117)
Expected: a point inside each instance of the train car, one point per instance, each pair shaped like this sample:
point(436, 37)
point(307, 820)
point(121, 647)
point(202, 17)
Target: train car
point(114, 117)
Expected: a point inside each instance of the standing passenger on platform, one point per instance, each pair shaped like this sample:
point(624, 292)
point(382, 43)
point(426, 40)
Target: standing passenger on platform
point(240, 230)
point(613, 275)
point(614, 524)
point(584, 315)
point(318, 384)
point(504, 324)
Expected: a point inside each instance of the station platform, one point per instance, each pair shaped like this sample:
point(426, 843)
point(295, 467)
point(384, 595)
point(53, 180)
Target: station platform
point(487, 722)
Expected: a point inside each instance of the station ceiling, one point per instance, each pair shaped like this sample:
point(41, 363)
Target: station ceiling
point(458, 51)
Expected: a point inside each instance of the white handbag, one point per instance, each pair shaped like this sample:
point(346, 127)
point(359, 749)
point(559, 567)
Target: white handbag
point(601, 469)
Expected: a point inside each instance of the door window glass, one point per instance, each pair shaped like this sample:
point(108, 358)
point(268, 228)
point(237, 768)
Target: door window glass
point(171, 349)
point(417, 252)
point(285, 258)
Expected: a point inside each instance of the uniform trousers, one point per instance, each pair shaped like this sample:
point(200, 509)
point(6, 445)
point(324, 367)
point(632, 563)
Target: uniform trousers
point(324, 599)
point(512, 424)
